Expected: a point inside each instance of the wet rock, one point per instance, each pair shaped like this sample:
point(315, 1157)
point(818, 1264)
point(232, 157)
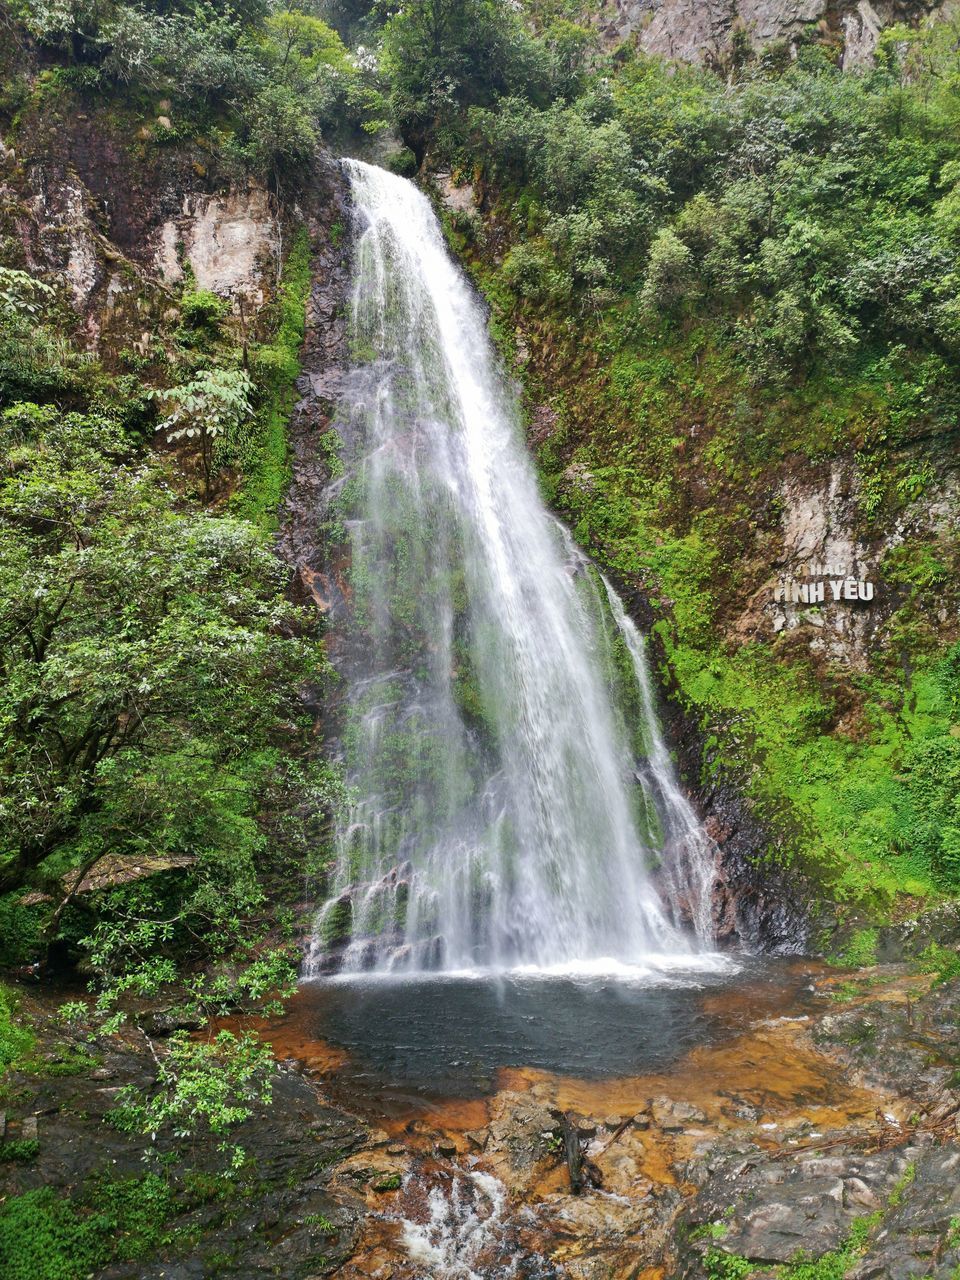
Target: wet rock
point(912, 1043)
point(447, 1149)
point(164, 1022)
point(477, 1137)
point(673, 1116)
point(806, 1216)
point(919, 1226)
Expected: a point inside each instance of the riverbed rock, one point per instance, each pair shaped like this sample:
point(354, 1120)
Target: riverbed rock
point(673, 1116)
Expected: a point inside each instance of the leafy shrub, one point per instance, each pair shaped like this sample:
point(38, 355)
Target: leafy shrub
point(46, 1237)
point(202, 309)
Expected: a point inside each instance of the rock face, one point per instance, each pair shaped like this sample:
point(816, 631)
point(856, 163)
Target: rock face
point(324, 364)
point(118, 223)
point(706, 30)
point(232, 243)
point(826, 543)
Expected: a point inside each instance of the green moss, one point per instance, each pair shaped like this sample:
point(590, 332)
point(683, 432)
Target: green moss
point(275, 367)
point(860, 951)
point(16, 1040)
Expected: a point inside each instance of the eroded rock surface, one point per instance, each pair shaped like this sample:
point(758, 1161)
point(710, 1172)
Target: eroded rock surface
point(698, 31)
point(794, 1138)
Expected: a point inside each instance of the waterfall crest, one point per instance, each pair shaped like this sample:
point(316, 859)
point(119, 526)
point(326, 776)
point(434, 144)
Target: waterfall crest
point(515, 803)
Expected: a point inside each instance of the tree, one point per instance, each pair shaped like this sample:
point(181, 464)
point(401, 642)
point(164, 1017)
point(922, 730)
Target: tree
point(211, 405)
point(147, 659)
point(441, 56)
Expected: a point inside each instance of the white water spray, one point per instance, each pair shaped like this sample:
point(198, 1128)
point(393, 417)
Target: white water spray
point(463, 1223)
point(514, 794)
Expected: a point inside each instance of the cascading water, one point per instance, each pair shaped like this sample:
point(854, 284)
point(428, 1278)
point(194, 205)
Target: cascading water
point(514, 800)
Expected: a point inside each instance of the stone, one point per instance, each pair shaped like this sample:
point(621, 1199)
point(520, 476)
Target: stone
point(396, 1149)
point(164, 122)
point(673, 1116)
point(458, 197)
point(612, 1122)
point(478, 1137)
point(164, 1022)
point(446, 1148)
point(641, 1120)
point(28, 1129)
point(807, 1218)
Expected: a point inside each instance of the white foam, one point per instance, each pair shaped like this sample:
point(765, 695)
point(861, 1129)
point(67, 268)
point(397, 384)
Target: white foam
point(462, 1224)
point(650, 970)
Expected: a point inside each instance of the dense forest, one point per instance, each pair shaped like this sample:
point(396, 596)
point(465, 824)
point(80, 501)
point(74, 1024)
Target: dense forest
point(715, 284)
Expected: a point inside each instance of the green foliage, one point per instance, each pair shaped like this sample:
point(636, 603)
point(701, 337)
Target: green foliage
point(46, 1237)
point(943, 962)
point(16, 1040)
point(214, 404)
point(19, 1150)
point(21, 294)
point(20, 928)
point(321, 1222)
point(719, 1265)
point(276, 365)
point(720, 285)
point(270, 81)
point(442, 56)
point(147, 671)
point(201, 309)
point(201, 1085)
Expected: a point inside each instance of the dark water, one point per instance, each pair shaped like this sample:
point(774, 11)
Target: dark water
point(446, 1037)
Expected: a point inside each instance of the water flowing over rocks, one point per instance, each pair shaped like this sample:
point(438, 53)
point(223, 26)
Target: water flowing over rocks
point(798, 1129)
point(788, 1140)
point(515, 800)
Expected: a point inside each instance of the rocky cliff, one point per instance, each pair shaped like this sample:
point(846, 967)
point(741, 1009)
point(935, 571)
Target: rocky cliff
point(716, 32)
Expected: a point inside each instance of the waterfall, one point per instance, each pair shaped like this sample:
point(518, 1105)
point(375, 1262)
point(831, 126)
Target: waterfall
point(513, 799)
